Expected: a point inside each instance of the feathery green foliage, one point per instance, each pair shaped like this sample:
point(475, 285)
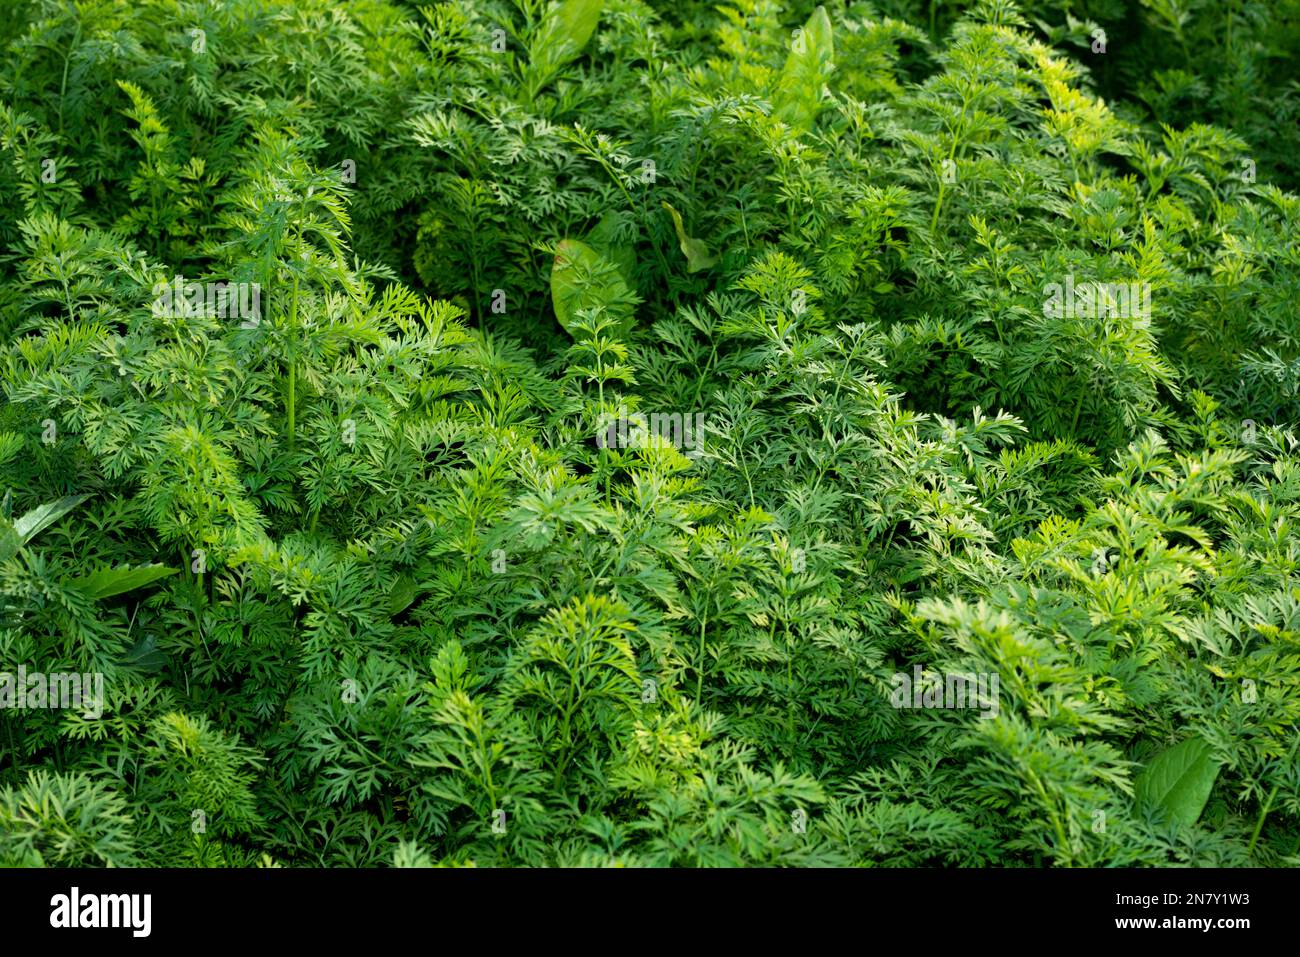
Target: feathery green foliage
point(581, 433)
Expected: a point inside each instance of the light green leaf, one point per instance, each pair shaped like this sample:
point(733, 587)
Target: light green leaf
point(1179, 780)
point(43, 516)
point(572, 258)
point(108, 582)
point(808, 67)
point(573, 22)
point(697, 254)
point(582, 278)
point(9, 540)
point(562, 36)
point(623, 255)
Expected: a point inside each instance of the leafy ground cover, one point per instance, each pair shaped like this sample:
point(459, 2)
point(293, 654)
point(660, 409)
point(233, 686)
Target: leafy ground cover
point(600, 432)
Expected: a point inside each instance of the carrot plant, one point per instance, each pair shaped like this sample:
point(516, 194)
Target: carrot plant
point(597, 432)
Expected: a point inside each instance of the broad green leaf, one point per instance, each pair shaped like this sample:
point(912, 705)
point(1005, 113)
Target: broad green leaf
point(799, 90)
point(1179, 780)
point(9, 540)
point(697, 254)
point(572, 258)
point(145, 657)
point(562, 36)
point(402, 594)
point(573, 22)
point(108, 582)
point(582, 278)
point(623, 255)
point(42, 517)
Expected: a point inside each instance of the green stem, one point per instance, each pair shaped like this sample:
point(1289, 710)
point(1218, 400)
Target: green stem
point(13, 748)
point(1050, 806)
point(63, 86)
point(699, 667)
point(699, 384)
point(1268, 803)
point(938, 205)
point(1078, 409)
point(291, 400)
point(293, 374)
point(789, 688)
point(1259, 821)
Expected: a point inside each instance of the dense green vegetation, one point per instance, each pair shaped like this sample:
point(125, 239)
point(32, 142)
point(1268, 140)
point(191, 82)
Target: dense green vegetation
point(370, 573)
